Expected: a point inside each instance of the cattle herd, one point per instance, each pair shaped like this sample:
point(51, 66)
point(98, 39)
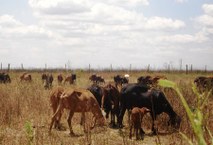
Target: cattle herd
point(113, 98)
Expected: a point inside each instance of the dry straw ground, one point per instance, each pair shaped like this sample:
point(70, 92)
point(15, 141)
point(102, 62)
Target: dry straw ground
point(25, 114)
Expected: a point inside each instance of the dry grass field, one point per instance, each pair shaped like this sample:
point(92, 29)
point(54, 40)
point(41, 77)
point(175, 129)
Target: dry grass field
point(25, 114)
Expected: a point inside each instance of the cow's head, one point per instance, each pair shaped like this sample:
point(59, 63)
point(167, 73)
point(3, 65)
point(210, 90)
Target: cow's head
point(175, 122)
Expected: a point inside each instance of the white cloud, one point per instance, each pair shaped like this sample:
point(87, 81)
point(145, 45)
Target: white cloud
point(162, 23)
point(181, 1)
point(208, 9)
point(97, 31)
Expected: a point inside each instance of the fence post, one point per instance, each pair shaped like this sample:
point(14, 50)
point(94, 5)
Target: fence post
point(110, 67)
point(191, 68)
point(89, 68)
point(130, 68)
point(1, 65)
point(148, 68)
point(8, 69)
point(22, 66)
point(205, 68)
point(168, 68)
point(187, 69)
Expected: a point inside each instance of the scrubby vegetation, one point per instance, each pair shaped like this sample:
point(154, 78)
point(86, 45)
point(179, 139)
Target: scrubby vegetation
point(25, 114)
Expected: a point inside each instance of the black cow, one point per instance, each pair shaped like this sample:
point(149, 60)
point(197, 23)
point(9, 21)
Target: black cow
point(110, 102)
point(108, 99)
point(97, 91)
point(145, 80)
point(204, 83)
point(48, 79)
point(5, 78)
point(135, 95)
point(120, 80)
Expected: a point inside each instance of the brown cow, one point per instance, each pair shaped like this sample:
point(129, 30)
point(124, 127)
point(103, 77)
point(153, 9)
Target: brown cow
point(54, 101)
point(136, 120)
point(71, 79)
point(60, 79)
point(96, 79)
point(78, 100)
point(26, 77)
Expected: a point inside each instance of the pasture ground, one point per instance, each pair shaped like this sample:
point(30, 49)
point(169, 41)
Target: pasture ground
point(25, 114)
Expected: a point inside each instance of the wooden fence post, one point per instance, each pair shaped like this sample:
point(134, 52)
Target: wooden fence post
point(89, 68)
point(187, 69)
point(1, 65)
point(110, 67)
point(130, 68)
point(8, 69)
point(191, 68)
point(22, 66)
point(148, 68)
point(205, 68)
point(168, 67)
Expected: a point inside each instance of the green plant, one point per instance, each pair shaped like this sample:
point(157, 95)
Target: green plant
point(195, 116)
point(29, 130)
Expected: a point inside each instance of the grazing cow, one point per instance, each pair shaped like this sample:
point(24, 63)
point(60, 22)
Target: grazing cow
point(93, 78)
point(78, 101)
point(110, 102)
point(71, 79)
point(150, 81)
point(156, 79)
point(138, 96)
point(48, 81)
point(26, 77)
point(204, 83)
point(97, 91)
point(96, 79)
point(43, 77)
point(5, 78)
point(60, 78)
point(54, 101)
point(100, 79)
point(120, 80)
point(136, 121)
point(145, 80)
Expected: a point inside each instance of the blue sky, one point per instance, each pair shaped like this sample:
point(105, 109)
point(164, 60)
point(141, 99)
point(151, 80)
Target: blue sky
point(122, 32)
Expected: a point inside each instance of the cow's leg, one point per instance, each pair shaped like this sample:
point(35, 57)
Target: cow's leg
point(154, 131)
point(84, 122)
point(136, 132)
point(121, 115)
point(69, 122)
point(142, 133)
point(94, 122)
point(130, 131)
point(58, 111)
point(129, 114)
point(82, 118)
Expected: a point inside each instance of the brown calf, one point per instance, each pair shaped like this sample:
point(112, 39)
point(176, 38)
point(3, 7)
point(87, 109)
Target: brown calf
point(136, 120)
